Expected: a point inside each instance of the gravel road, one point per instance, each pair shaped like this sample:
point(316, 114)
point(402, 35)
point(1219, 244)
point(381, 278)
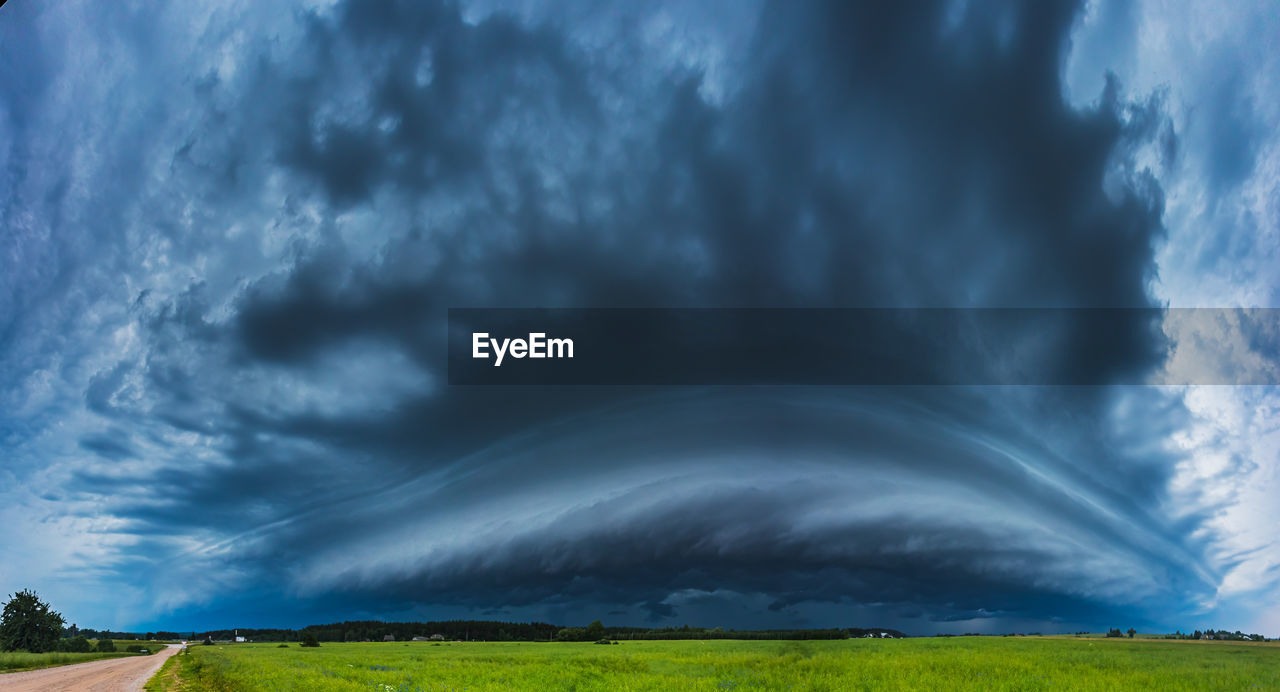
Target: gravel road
point(112, 675)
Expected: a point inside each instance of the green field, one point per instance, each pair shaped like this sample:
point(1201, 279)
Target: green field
point(965, 663)
point(14, 661)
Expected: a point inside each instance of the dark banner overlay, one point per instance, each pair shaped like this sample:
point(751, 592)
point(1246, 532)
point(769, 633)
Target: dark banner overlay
point(872, 346)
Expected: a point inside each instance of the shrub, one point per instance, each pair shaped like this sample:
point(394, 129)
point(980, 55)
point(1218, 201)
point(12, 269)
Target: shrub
point(105, 646)
point(283, 646)
point(603, 641)
point(309, 639)
point(78, 645)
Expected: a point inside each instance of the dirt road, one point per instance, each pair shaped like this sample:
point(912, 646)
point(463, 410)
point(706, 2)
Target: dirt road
point(112, 675)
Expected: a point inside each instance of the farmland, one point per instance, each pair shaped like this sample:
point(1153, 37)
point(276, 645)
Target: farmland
point(966, 663)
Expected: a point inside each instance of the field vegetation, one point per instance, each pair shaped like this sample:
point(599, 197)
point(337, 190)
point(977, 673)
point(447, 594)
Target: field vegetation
point(14, 661)
point(964, 663)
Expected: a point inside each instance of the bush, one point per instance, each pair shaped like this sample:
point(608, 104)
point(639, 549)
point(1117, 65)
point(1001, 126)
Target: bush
point(105, 646)
point(603, 641)
point(309, 639)
point(283, 646)
point(77, 645)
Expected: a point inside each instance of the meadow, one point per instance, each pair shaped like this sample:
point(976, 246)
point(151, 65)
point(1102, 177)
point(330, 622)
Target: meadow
point(959, 663)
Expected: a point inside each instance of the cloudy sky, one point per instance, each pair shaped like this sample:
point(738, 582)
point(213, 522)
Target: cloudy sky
point(230, 232)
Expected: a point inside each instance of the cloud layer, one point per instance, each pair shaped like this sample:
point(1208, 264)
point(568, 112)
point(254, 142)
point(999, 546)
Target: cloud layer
point(233, 232)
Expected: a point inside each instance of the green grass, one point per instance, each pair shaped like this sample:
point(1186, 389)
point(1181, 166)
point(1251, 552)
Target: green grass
point(963, 663)
point(16, 661)
point(170, 676)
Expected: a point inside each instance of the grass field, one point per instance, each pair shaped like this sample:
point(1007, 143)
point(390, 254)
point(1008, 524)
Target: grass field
point(964, 663)
point(15, 661)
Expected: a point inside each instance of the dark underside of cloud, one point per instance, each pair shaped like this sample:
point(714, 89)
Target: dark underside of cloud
point(866, 154)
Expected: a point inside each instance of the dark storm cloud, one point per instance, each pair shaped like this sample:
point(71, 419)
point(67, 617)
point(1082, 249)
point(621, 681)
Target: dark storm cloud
point(846, 148)
point(433, 79)
point(869, 154)
point(112, 445)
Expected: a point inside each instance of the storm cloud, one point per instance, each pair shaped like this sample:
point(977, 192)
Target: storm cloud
point(224, 340)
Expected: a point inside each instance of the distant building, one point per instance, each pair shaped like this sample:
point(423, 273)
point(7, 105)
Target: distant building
point(389, 638)
point(437, 637)
point(421, 639)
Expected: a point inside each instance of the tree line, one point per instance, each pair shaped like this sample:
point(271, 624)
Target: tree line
point(27, 623)
point(1236, 636)
point(499, 631)
point(377, 630)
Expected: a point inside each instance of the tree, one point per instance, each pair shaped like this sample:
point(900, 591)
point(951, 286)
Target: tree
point(28, 623)
point(105, 646)
point(595, 631)
point(309, 639)
point(1131, 632)
point(571, 634)
point(79, 645)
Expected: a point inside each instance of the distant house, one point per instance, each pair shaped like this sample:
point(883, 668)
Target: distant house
point(389, 638)
point(421, 639)
point(437, 637)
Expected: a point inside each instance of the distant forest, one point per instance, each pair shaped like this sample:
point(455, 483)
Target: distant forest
point(484, 630)
point(496, 631)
